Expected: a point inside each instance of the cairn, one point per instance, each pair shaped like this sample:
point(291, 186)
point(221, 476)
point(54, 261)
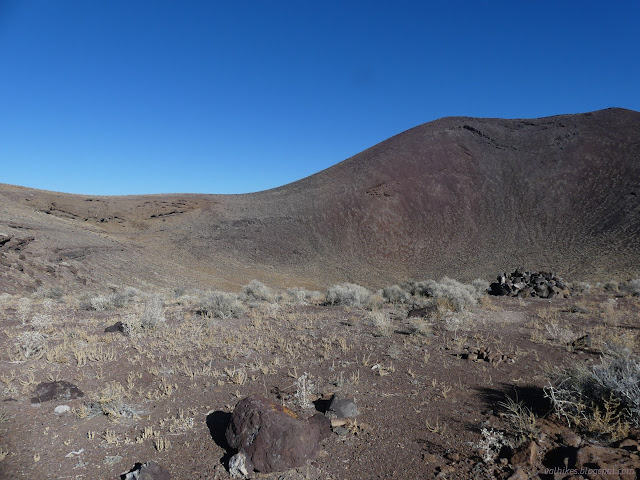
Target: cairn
point(523, 283)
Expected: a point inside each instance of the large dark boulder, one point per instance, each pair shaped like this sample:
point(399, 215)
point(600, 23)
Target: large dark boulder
point(272, 437)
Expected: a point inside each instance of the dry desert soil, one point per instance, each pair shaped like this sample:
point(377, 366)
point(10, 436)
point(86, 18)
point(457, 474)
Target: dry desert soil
point(106, 308)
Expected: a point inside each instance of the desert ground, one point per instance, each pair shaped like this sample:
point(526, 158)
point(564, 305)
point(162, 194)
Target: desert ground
point(162, 384)
point(132, 327)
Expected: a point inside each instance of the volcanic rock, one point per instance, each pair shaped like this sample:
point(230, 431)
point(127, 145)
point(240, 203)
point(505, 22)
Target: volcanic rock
point(522, 283)
point(148, 471)
point(342, 408)
point(58, 390)
point(272, 437)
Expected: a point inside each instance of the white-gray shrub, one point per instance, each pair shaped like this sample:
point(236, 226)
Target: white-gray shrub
point(348, 294)
point(221, 305)
point(258, 291)
point(461, 295)
point(481, 286)
point(632, 287)
point(380, 321)
point(395, 294)
point(31, 344)
point(616, 377)
point(153, 315)
point(302, 296)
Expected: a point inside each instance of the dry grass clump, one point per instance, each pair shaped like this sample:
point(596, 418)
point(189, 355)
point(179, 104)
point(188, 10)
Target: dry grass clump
point(53, 293)
point(153, 315)
point(460, 295)
point(348, 294)
point(632, 287)
point(112, 301)
point(381, 323)
point(30, 345)
point(521, 418)
point(109, 401)
point(258, 291)
point(302, 296)
point(601, 400)
point(221, 305)
point(395, 294)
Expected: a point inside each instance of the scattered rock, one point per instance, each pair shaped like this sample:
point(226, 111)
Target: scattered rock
point(115, 328)
point(582, 343)
point(525, 455)
point(570, 439)
point(58, 390)
point(341, 431)
point(428, 311)
point(617, 463)
point(519, 474)
point(342, 408)
point(147, 471)
point(60, 409)
point(486, 354)
point(523, 283)
point(272, 437)
point(240, 465)
point(629, 444)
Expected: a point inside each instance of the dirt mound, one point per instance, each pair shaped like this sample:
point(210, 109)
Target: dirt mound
point(462, 197)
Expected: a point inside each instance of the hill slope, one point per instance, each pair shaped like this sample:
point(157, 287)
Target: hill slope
point(463, 197)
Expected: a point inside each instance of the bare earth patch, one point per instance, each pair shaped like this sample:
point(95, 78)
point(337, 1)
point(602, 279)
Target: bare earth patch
point(453, 395)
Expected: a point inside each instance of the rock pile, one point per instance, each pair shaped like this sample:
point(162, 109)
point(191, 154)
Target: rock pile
point(523, 283)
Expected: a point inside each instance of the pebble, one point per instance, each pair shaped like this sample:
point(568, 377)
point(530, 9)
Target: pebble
point(60, 409)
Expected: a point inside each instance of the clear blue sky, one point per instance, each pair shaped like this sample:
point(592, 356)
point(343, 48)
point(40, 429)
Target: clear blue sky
point(153, 96)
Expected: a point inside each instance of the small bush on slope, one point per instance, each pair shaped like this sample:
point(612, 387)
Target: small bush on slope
point(603, 399)
point(348, 294)
point(395, 294)
point(258, 291)
point(221, 305)
point(302, 296)
point(460, 295)
point(153, 315)
point(632, 287)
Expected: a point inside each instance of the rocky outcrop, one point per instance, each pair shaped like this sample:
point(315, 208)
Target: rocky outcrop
point(523, 283)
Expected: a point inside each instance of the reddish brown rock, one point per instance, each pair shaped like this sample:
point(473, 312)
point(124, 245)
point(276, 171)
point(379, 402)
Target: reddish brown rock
point(272, 437)
point(607, 463)
point(519, 474)
point(58, 390)
point(525, 455)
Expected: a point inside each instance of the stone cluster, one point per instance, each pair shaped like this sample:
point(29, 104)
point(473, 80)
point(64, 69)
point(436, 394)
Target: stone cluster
point(523, 283)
